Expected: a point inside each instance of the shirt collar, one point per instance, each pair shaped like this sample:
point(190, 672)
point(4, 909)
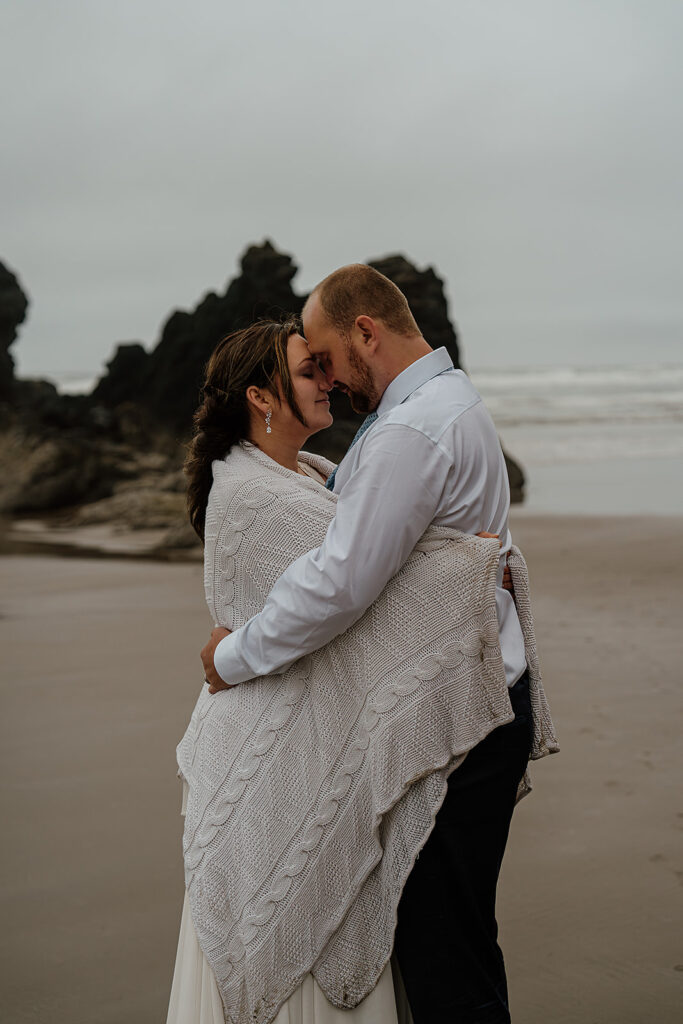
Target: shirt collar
point(413, 377)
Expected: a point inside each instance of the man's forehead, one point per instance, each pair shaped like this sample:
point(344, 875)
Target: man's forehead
point(311, 303)
point(320, 340)
point(311, 311)
point(317, 349)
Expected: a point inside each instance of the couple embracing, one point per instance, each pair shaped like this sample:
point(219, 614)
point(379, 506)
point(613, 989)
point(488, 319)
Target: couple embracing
point(350, 772)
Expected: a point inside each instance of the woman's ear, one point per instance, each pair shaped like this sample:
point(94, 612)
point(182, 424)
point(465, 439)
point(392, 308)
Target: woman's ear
point(258, 399)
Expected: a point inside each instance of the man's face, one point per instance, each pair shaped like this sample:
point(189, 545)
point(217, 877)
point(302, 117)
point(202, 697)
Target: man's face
point(339, 360)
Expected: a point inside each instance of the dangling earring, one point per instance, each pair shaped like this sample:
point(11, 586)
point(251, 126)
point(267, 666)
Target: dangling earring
point(268, 427)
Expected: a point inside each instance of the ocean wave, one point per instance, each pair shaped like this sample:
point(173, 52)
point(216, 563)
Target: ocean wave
point(565, 443)
point(646, 378)
point(547, 395)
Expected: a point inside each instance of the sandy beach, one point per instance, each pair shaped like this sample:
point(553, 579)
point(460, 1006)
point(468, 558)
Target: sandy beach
point(100, 672)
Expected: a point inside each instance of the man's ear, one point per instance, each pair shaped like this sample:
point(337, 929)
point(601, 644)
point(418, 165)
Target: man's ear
point(367, 330)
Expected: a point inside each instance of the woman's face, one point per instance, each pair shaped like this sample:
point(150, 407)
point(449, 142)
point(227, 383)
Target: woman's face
point(310, 386)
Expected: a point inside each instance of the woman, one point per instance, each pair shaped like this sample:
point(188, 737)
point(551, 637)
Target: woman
point(309, 794)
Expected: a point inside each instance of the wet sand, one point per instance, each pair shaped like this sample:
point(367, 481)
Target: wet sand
point(99, 675)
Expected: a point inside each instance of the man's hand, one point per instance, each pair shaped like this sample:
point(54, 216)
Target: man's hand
point(210, 675)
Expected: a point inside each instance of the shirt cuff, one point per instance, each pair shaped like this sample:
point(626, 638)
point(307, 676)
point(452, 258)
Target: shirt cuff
point(228, 662)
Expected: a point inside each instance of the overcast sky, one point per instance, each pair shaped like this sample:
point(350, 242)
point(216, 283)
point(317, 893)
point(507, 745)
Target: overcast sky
point(531, 151)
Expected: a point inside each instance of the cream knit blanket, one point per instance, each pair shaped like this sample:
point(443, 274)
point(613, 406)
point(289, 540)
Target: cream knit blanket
point(312, 792)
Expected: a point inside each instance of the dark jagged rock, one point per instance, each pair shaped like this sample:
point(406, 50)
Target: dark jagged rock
point(265, 286)
point(41, 410)
point(124, 380)
point(13, 306)
point(516, 478)
point(119, 446)
point(63, 450)
point(167, 381)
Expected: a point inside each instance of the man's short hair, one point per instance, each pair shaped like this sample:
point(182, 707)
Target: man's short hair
point(359, 290)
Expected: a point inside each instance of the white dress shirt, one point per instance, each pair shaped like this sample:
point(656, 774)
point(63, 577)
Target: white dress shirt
point(432, 456)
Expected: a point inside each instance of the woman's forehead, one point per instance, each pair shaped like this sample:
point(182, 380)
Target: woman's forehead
point(297, 349)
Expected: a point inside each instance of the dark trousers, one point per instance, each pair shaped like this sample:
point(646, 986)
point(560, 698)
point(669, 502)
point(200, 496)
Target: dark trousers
point(446, 935)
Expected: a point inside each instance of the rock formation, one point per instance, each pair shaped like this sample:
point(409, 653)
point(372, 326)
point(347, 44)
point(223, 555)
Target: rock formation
point(13, 306)
point(121, 444)
point(166, 381)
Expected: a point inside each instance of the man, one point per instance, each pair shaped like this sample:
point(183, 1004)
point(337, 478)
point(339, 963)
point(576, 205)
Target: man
point(431, 457)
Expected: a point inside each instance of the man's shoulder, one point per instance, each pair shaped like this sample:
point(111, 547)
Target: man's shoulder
point(436, 405)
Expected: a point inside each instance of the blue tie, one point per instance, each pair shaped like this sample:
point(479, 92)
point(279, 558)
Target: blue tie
point(367, 422)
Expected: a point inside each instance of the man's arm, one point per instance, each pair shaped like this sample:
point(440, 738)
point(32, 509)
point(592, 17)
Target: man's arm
point(383, 510)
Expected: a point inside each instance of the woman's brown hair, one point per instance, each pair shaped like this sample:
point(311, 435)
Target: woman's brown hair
point(255, 356)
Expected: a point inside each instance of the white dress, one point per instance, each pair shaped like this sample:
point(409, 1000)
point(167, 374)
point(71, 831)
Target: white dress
point(195, 998)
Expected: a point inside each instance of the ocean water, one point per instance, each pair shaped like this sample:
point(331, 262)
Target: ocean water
point(592, 440)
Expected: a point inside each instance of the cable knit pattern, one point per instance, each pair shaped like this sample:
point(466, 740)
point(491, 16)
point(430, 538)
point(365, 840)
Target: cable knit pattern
point(311, 793)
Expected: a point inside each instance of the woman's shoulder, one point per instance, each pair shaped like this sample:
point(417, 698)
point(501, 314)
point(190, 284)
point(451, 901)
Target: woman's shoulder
point(245, 463)
point(246, 469)
point(231, 469)
point(247, 481)
point(251, 490)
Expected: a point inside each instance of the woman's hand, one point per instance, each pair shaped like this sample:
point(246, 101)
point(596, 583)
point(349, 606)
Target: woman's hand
point(210, 675)
point(507, 578)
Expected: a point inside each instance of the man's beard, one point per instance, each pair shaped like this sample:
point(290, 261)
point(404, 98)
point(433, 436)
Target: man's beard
point(361, 388)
